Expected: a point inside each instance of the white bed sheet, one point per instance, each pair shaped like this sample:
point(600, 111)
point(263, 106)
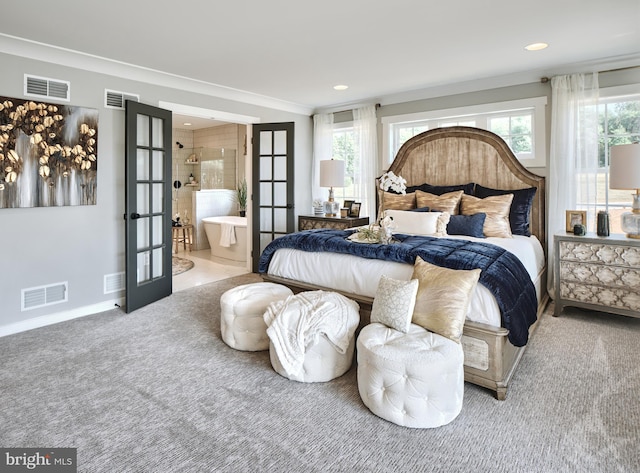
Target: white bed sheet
point(360, 276)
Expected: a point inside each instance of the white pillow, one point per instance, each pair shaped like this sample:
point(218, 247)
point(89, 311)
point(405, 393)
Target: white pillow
point(419, 223)
point(394, 303)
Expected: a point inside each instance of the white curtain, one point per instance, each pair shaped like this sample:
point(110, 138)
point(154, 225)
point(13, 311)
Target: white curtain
point(573, 161)
point(322, 149)
point(366, 138)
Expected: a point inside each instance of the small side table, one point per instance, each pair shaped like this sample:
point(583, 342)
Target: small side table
point(186, 237)
point(310, 222)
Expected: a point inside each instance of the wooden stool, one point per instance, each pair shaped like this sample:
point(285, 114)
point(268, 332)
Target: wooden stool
point(187, 235)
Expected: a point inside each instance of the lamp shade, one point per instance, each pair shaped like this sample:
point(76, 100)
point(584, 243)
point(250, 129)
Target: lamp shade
point(332, 173)
point(624, 167)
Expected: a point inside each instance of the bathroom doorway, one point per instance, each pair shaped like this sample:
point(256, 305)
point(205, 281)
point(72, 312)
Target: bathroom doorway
point(197, 138)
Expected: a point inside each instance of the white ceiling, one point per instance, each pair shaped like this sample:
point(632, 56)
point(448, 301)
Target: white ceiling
point(291, 53)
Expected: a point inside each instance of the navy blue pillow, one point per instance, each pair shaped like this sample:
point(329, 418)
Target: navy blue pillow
point(422, 209)
point(439, 190)
point(469, 225)
point(520, 206)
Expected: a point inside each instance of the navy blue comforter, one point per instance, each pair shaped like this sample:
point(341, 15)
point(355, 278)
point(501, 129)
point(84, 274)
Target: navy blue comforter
point(502, 273)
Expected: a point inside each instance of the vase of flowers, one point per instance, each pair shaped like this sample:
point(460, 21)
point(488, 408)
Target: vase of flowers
point(389, 181)
point(242, 197)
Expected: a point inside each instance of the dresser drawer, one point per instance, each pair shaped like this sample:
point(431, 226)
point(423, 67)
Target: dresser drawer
point(603, 253)
point(600, 274)
point(618, 298)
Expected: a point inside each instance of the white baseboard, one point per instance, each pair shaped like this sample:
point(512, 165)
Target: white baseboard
point(51, 319)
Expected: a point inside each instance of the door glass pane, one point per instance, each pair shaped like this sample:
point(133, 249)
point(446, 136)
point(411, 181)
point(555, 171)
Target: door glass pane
point(265, 220)
point(143, 198)
point(265, 239)
point(280, 194)
point(158, 197)
point(280, 220)
point(142, 229)
point(158, 137)
point(280, 168)
point(265, 193)
point(158, 270)
point(265, 142)
point(142, 165)
point(143, 130)
point(280, 142)
point(157, 230)
point(265, 168)
point(158, 165)
point(142, 267)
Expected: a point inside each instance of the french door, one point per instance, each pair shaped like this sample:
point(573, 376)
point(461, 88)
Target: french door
point(273, 191)
point(148, 204)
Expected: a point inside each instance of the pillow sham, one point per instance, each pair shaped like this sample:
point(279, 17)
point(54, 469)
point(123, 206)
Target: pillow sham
point(519, 215)
point(421, 209)
point(496, 223)
point(468, 225)
point(419, 223)
point(443, 298)
point(439, 190)
point(394, 302)
point(448, 202)
point(391, 200)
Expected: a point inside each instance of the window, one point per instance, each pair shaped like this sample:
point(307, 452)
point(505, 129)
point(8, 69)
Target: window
point(520, 123)
point(618, 123)
point(344, 148)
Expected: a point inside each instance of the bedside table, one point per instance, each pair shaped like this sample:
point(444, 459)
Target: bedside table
point(310, 222)
point(599, 273)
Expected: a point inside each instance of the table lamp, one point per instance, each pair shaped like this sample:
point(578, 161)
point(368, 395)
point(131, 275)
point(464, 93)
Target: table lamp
point(331, 175)
point(624, 173)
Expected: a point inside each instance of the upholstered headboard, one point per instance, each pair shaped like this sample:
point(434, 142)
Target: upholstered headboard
point(459, 155)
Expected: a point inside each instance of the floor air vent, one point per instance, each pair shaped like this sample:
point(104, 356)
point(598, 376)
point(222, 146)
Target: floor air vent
point(113, 282)
point(115, 99)
point(43, 87)
point(35, 297)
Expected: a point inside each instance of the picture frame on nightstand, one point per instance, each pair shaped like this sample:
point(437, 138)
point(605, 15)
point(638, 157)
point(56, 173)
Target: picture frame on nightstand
point(575, 217)
point(354, 210)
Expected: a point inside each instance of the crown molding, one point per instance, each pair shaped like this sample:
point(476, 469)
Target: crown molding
point(22, 47)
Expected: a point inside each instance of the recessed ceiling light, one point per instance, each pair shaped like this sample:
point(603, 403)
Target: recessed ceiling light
point(187, 124)
point(341, 87)
point(536, 46)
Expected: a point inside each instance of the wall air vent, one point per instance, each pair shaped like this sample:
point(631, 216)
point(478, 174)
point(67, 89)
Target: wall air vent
point(44, 87)
point(115, 99)
point(35, 297)
point(114, 283)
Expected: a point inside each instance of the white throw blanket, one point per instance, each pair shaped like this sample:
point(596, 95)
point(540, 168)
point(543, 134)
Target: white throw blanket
point(227, 234)
point(296, 323)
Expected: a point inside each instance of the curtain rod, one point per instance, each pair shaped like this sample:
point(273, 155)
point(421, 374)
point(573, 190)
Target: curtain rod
point(352, 109)
point(544, 80)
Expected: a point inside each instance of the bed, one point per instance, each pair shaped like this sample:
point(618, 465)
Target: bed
point(437, 161)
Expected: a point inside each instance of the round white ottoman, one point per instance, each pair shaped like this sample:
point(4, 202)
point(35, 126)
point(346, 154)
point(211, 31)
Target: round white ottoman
point(241, 314)
point(312, 335)
point(413, 379)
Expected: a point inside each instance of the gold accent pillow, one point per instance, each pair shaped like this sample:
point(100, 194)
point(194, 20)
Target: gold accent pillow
point(448, 202)
point(497, 208)
point(443, 298)
point(389, 200)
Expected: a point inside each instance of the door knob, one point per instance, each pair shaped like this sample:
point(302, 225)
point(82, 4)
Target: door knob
point(135, 216)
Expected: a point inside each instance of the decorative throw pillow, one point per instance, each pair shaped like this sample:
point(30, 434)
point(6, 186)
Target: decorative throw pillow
point(468, 225)
point(439, 190)
point(448, 202)
point(421, 209)
point(443, 298)
point(420, 223)
point(394, 302)
point(496, 223)
point(390, 200)
point(520, 207)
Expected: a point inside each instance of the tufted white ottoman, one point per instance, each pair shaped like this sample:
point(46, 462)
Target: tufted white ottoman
point(413, 379)
point(312, 335)
point(241, 310)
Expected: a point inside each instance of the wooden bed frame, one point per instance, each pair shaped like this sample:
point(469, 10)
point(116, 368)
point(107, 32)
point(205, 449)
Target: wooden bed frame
point(459, 155)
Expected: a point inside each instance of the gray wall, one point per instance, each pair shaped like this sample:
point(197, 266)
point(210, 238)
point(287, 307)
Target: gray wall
point(82, 244)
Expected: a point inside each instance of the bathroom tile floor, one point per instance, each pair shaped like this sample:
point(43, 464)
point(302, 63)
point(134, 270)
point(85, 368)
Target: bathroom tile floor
point(204, 270)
